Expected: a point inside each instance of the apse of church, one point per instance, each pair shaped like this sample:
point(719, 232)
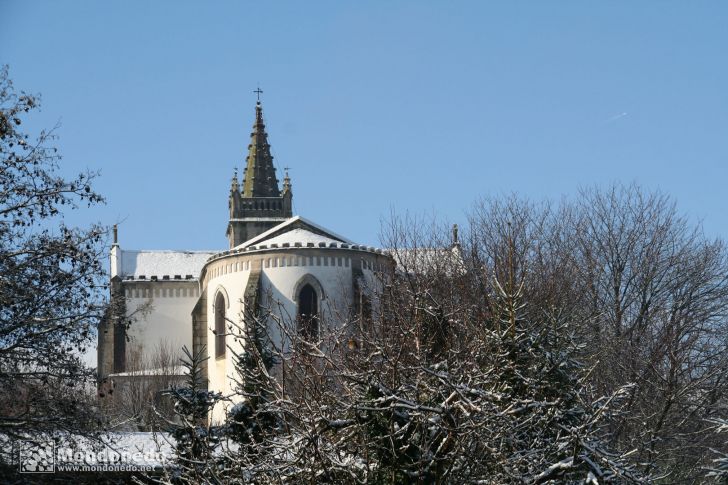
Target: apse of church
point(274, 260)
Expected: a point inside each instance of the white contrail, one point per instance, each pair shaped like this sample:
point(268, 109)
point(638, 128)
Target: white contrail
point(616, 117)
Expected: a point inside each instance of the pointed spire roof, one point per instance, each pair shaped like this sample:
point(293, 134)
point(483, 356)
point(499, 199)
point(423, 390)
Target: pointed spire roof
point(260, 179)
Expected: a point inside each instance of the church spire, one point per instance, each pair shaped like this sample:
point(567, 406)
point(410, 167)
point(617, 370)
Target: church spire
point(260, 179)
point(257, 204)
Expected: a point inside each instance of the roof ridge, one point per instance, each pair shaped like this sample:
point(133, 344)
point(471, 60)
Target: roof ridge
point(194, 251)
point(272, 232)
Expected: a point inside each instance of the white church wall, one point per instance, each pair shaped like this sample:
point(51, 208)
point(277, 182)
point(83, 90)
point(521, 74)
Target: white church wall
point(160, 289)
point(282, 275)
point(281, 284)
point(161, 312)
point(231, 280)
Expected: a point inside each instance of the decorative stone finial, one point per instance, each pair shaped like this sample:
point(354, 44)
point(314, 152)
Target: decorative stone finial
point(234, 186)
point(286, 182)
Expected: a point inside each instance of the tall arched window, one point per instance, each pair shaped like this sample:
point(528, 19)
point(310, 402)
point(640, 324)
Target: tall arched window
point(219, 325)
point(308, 312)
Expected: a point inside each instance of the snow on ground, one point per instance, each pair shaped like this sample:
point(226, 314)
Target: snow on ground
point(142, 448)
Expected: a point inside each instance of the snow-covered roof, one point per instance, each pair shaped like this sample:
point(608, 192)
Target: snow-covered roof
point(136, 263)
point(292, 230)
point(429, 260)
point(295, 233)
point(303, 236)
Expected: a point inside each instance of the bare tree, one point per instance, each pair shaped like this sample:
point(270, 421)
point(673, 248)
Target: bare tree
point(718, 468)
point(554, 343)
point(50, 280)
point(440, 383)
point(646, 293)
point(139, 400)
point(657, 302)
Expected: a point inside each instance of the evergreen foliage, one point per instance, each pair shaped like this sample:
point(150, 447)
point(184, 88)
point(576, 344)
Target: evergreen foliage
point(195, 440)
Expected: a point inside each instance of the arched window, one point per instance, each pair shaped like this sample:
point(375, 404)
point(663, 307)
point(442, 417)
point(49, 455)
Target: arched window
point(219, 325)
point(308, 312)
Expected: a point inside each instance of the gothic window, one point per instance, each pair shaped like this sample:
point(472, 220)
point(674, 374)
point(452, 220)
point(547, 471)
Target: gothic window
point(219, 325)
point(308, 312)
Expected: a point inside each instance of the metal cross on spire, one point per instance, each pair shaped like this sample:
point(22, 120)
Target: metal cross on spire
point(258, 92)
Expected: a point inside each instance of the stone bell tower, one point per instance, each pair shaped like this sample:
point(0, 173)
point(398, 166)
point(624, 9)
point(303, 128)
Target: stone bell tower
point(259, 204)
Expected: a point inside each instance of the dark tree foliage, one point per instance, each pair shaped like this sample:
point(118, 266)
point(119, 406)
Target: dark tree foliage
point(645, 293)
point(558, 433)
point(579, 343)
point(195, 440)
point(50, 279)
point(252, 420)
point(434, 387)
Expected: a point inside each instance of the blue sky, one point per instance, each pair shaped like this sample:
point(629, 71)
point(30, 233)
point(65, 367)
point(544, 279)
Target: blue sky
point(420, 106)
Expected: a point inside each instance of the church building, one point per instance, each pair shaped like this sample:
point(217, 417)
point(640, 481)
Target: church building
point(274, 260)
